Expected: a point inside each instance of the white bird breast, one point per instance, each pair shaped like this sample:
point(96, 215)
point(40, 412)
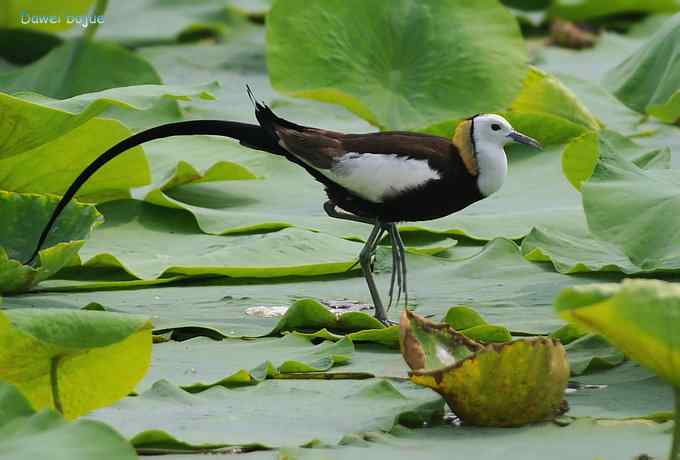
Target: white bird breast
point(376, 177)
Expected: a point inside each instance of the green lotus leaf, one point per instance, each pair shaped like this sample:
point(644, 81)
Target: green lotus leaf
point(307, 318)
point(468, 322)
point(22, 216)
point(255, 9)
point(214, 159)
point(116, 66)
point(592, 353)
point(399, 64)
point(26, 434)
point(73, 360)
point(11, 12)
point(516, 299)
point(579, 10)
point(649, 80)
point(463, 317)
point(488, 333)
point(549, 111)
point(272, 414)
point(23, 46)
point(640, 317)
point(133, 98)
point(128, 23)
point(585, 438)
point(580, 157)
point(635, 209)
point(149, 241)
point(308, 314)
point(250, 362)
point(568, 333)
point(574, 250)
point(507, 384)
point(33, 127)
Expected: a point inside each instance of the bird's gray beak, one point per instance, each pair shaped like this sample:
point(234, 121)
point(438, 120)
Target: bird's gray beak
point(522, 139)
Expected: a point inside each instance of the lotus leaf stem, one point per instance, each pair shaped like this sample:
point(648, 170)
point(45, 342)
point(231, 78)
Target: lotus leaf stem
point(54, 384)
point(99, 10)
point(675, 450)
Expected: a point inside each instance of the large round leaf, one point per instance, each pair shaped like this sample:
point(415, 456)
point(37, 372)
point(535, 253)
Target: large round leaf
point(34, 127)
point(548, 111)
point(22, 218)
point(638, 210)
point(27, 435)
point(398, 64)
point(73, 360)
point(272, 414)
point(640, 317)
point(588, 9)
point(581, 155)
point(649, 79)
point(68, 70)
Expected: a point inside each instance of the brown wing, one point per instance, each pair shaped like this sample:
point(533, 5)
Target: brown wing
point(321, 148)
point(316, 147)
point(438, 151)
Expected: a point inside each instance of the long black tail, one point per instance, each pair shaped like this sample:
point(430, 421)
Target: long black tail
point(252, 136)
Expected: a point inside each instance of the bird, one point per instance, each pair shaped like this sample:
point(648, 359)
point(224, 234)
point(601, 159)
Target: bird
point(380, 178)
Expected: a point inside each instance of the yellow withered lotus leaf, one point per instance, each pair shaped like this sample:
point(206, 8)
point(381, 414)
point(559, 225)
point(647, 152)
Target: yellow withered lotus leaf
point(74, 361)
point(507, 384)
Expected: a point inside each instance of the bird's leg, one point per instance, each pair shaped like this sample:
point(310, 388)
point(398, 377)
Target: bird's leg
point(366, 254)
point(331, 211)
point(402, 252)
point(393, 277)
point(396, 265)
point(365, 261)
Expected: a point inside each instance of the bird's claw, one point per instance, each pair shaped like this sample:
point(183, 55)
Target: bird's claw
point(388, 322)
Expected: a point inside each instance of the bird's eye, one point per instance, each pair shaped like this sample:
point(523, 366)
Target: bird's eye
point(496, 127)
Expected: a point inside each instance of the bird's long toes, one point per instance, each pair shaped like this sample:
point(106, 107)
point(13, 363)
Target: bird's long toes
point(404, 285)
point(400, 279)
point(388, 322)
point(391, 294)
point(354, 265)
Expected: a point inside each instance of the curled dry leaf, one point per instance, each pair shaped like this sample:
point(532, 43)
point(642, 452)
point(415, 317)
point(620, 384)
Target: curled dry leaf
point(567, 34)
point(504, 384)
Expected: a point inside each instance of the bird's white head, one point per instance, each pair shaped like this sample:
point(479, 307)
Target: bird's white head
point(490, 133)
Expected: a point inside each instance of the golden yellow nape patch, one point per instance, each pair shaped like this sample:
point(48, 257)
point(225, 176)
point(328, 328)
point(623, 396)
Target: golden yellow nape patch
point(462, 139)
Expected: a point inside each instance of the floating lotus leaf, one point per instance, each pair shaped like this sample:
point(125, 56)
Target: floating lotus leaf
point(640, 317)
point(507, 384)
point(26, 434)
point(649, 79)
point(401, 64)
point(581, 156)
point(549, 111)
point(73, 360)
point(635, 209)
point(471, 324)
point(22, 218)
point(580, 10)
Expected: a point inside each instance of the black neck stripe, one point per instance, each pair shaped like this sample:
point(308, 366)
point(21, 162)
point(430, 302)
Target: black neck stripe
point(472, 136)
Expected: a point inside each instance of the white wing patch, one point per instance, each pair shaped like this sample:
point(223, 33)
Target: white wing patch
point(376, 177)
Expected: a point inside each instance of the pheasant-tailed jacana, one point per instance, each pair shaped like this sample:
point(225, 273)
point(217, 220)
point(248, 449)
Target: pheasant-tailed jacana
point(378, 178)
